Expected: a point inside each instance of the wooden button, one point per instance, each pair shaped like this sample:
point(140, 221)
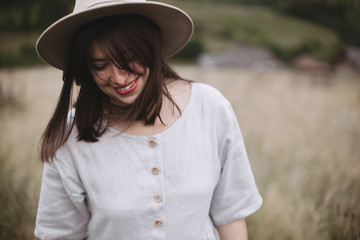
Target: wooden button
point(158, 199)
point(158, 223)
point(155, 171)
point(152, 144)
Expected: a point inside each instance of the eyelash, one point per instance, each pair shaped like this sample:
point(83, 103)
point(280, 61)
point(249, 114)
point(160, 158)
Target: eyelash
point(99, 68)
point(104, 66)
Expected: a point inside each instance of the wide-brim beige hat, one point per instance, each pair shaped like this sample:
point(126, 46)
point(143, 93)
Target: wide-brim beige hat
point(176, 26)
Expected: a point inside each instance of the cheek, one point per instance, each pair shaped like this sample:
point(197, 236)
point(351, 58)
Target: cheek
point(99, 78)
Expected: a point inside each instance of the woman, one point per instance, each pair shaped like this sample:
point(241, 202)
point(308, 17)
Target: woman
point(144, 154)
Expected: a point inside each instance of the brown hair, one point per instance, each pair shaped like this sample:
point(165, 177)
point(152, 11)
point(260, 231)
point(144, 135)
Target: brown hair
point(122, 39)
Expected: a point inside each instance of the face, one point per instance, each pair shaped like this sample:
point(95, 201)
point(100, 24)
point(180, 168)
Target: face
point(121, 86)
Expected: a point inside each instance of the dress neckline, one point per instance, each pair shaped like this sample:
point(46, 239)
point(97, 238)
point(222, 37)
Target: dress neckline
point(170, 128)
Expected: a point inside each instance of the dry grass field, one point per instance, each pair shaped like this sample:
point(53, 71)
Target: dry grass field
point(301, 130)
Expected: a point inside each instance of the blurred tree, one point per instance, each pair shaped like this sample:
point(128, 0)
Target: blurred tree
point(342, 16)
point(48, 12)
point(24, 15)
point(190, 51)
point(14, 14)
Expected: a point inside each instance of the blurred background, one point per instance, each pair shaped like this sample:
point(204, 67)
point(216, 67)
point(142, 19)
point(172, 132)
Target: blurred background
point(291, 71)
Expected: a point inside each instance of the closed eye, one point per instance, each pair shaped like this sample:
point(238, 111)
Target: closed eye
point(98, 64)
point(99, 67)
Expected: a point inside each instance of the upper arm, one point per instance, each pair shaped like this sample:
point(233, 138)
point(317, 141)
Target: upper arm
point(62, 211)
point(233, 231)
point(236, 195)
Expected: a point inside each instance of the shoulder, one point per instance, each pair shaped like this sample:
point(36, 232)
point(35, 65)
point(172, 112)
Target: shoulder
point(205, 90)
point(71, 115)
point(212, 103)
point(70, 123)
point(72, 144)
point(208, 96)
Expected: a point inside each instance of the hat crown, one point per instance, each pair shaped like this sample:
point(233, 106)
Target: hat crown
point(175, 25)
point(81, 5)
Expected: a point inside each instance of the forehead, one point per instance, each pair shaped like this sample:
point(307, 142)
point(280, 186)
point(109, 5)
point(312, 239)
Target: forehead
point(95, 52)
point(110, 51)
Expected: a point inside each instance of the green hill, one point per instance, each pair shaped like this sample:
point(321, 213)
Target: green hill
point(218, 26)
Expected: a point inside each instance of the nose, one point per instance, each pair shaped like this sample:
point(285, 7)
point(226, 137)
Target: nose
point(119, 76)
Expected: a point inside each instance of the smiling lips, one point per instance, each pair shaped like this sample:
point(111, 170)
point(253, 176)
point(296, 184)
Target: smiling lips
point(129, 88)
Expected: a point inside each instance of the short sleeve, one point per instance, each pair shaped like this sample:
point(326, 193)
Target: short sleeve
point(62, 211)
point(236, 195)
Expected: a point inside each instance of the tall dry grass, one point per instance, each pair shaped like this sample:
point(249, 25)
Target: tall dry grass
point(302, 133)
point(301, 130)
point(27, 98)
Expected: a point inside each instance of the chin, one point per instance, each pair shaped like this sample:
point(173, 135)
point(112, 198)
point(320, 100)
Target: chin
point(123, 103)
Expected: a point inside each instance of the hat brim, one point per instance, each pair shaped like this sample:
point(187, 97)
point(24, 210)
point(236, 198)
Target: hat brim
point(176, 27)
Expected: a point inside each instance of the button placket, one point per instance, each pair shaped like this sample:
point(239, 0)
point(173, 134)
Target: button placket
point(152, 144)
point(158, 198)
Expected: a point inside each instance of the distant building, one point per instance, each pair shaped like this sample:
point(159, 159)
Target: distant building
point(309, 62)
point(256, 58)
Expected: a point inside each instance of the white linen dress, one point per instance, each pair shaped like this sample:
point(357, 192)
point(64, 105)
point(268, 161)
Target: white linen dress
point(175, 185)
